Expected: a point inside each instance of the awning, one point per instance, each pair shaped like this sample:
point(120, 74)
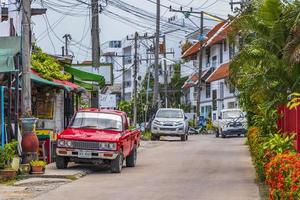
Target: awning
point(85, 85)
point(82, 75)
point(9, 47)
point(35, 78)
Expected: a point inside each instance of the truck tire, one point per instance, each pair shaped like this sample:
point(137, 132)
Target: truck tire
point(61, 162)
point(217, 134)
point(131, 158)
point(155, 137)
point(117, 164)
point(183, 138)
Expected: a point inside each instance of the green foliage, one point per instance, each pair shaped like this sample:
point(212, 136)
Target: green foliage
point(126, 106)
point(47, 66)
point(295, 100)
point(266, 68)
point(255, 141)
point(38, 163)
point(187, 44)
point(146, 135)
point(10, 151)
point(7, 154)
point(276, 143)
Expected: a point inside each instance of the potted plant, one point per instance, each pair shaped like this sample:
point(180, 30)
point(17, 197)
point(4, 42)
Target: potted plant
point(37, 166)
point(7, 155)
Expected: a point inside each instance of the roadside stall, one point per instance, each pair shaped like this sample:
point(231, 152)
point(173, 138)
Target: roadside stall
point(48, 106)
point(9, 82)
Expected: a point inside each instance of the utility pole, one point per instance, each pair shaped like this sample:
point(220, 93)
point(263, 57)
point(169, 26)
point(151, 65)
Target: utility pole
point(67, 37)
point(26, 81)
point(202, 38)
point(95, 34)
point(134, 78)
point(165, 71)
point(123, 80)
point(198, 110)
point(95, 48)
point(157, 36)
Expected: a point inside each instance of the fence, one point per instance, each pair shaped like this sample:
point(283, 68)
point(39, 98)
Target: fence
point(289, 122)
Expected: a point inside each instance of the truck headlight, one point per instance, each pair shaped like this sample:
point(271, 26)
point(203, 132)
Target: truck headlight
point(179, 124)
point(157, 123)
point(107, 146)
point(61, 143)
point(68, 143)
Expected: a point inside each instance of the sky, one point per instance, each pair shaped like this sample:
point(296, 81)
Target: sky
point(72, 17)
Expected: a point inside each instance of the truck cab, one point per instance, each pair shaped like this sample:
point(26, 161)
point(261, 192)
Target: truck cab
point(169, 122)
point(231, 122)
point(100, 137)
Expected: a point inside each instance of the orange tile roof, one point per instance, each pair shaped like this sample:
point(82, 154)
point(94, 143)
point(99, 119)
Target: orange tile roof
point(193, 79)
point(196, 47)
point(220, 73)
point(220, 35)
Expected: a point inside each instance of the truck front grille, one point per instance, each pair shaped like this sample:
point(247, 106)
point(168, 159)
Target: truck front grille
point(85, 145)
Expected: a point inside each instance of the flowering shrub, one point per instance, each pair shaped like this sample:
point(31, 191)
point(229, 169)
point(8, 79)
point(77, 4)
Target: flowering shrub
point(283, 176)
point(255, 141)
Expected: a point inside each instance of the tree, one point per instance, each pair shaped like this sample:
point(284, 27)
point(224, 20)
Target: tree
point(266, 69)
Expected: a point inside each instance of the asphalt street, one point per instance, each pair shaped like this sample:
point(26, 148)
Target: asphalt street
point(203, 168)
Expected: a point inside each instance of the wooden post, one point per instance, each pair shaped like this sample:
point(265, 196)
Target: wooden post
point(26, 80)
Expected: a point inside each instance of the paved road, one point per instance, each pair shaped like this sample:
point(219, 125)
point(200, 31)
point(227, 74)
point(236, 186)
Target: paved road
point(204, 168)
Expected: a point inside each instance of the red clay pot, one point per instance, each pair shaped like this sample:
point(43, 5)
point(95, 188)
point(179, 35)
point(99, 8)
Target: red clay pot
point(37, 170)
point(30, 142)
point(7, 174)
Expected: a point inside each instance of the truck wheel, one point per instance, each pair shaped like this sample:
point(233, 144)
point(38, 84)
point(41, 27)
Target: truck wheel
point(117, 164)
point(61, 162)
point(187, 137)
point(183, 138)
point(155, 137)
point(217, 134)
point(131, 159)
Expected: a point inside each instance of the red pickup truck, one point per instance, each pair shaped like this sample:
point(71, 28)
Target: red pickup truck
point(100, 137)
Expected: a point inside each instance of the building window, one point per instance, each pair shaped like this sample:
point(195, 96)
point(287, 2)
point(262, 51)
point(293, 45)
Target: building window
point(225, 45)
point(231, 51)
point(231, 105)
point(207, 90)
point(207, 57)
point(202, 110)
point(115, 44)
point(214, 100)
point(231, 89)
point(221, 90)
point(214, 61)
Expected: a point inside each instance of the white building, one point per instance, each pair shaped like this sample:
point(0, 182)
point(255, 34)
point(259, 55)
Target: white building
point(216, 92)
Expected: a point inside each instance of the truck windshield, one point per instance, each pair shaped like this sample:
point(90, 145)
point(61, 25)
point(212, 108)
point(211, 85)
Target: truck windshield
point(232, 114)
point(93, 120)
point(169, 114)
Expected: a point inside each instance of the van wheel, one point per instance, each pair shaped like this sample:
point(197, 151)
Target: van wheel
point(61, 162)
point(183, 138)
point(217, 134)
point(117, 164)
point(131, 159)
point(155, 137)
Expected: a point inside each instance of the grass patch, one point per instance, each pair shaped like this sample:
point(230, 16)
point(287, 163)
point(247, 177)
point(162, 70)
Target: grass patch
point(10, 182)
point(71, 177)
point(146, 135)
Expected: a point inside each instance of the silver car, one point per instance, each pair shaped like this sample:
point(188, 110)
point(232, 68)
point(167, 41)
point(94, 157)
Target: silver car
point(169, 122)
